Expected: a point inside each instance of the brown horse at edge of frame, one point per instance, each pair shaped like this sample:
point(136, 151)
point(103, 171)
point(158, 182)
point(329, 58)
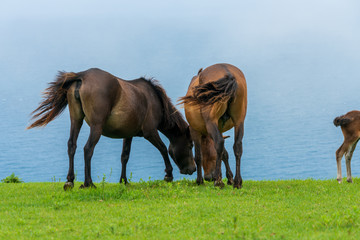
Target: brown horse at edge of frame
point(350, 127)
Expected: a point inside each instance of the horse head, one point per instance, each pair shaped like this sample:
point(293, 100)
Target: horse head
point(180, 150)
point(208, 153)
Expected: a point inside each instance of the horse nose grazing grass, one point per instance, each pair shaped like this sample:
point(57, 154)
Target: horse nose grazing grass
point(191, 170)
point(188, 170)
point(208, 177)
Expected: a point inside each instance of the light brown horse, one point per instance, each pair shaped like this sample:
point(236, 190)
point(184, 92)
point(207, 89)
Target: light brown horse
point(350, 127)
point(116, 108)
point(216, 101)
point(208, 153)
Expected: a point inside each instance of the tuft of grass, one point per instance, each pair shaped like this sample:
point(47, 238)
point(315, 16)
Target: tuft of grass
point(12, 179)
point(291, 209)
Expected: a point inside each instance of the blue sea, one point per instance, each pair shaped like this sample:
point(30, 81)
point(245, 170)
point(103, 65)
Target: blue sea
point(300, 58)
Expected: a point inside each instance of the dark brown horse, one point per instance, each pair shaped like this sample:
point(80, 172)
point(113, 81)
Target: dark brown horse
point(350, 127)
point(117, 109)
point(215, 102)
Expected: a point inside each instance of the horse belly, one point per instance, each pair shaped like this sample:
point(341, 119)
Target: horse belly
point(227, 126)
point(122, 124)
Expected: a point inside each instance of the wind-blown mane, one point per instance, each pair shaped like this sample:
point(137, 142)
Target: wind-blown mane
point(54, 99)
point(209, 93)
point(172, 117)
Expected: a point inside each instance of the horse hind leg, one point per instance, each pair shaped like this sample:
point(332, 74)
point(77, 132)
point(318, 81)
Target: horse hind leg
point(74, 133)
point(76, 119)
point(348, 156)
point(95, 134)
point(238, 150)
point(339, 154)
point(346, 148)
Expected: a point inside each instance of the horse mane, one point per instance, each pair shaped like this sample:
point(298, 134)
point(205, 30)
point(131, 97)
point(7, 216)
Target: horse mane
point(209, 93)
point(171, 116)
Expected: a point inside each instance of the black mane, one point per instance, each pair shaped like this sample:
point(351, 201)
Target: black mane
point(172, 116)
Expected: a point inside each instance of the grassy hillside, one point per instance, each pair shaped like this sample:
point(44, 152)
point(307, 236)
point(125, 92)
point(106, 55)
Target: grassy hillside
point(294, 209)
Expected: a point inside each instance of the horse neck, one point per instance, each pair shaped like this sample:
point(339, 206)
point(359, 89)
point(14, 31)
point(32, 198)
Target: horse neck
point(171, 132)
point(173, 125)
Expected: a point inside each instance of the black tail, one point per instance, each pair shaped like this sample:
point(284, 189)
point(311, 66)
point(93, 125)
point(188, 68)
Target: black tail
point(341, 121)
point(209, 93)
point(54, 99)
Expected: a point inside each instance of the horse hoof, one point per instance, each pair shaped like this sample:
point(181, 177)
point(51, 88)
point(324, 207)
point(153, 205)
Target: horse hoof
point(91, 185)
point(230, 181)
point(68, 186)
point(168, 179)
point(349, 180)
point(219, 183)
point(199, 181)
point(238, 186)
point(123, 180)
point(339, 180)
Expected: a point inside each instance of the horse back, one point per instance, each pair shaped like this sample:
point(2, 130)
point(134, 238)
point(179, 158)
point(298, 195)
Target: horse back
point(121, 107)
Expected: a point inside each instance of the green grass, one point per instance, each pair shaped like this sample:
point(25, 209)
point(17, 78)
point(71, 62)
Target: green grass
point(12, 179)
point(294, 209)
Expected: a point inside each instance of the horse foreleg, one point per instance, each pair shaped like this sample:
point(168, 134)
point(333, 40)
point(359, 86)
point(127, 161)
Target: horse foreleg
point(95, 133)
point(74, 133)
point(229, 174)
point(154, 138)
point(124, 158)
point(238, 150)
point(218, 139)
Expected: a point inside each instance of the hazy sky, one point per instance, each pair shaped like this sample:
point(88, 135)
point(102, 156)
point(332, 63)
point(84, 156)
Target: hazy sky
point(171, 40)
point(288, 45)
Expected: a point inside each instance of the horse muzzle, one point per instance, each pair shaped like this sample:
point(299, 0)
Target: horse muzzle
point(209, 177)
point(188, 170)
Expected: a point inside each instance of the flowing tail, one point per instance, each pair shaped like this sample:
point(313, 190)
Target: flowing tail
point(209, 93)
point(342, 121)
point(54, 99)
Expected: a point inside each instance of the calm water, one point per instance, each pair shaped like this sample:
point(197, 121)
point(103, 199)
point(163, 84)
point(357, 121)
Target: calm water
point(301, 61)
